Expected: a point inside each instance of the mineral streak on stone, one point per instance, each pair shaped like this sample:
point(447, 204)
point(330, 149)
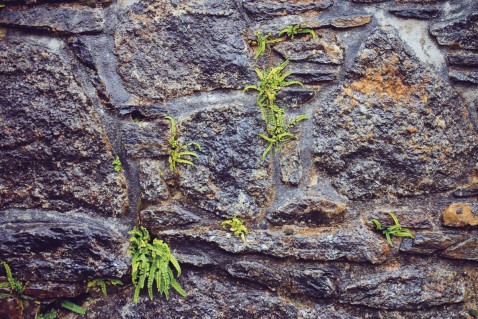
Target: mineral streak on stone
point(52, 246)
point(417, 287)
point(457, 33)
point(461, 215)
point(62, 19)
point(388, 129)
point(308, 211)
point(165, 52)
point(267, 9)
point(54, 151)
point(466, 192)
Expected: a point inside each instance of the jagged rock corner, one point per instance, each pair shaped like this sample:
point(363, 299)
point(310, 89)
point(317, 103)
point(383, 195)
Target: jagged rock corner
point(392, 98)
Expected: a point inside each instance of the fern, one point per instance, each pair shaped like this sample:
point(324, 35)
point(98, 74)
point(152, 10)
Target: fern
point(180, 153)
point(2, 5)
point(152, 260)
point(236, 226)
point(263, 43)
point(395, 230)
point(293, 30)
point(52, 314)
point(473, 313)
point(73, 307)
point(100, 284)
point(16, 287)
point(117, 164)
point(271, 81)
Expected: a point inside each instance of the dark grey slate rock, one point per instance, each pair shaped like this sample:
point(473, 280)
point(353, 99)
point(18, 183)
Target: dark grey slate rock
point(293, 97)
point(54, 151)
point(307, 211)
point(463, 59)
point(416, 12)
point(467, 250)
point(52, 246)
point(324, 49)
point(153, 187)
point(410, 218)
point(165, 52)
point(62, 19)
point(430, 242)
point(457, 33)
point(379, 132)
point(230, 177)
point(358, 245)
point(418, 288)
point(267, 9)
point(313, 73)
point(165, 217)
point(463, 76)
point(290, 165)
point(209, 297)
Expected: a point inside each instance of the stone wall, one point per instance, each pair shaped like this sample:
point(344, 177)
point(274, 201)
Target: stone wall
point(391, 96)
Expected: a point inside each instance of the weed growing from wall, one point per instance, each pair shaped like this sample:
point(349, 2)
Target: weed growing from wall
point(236, 226)
point(395, 230)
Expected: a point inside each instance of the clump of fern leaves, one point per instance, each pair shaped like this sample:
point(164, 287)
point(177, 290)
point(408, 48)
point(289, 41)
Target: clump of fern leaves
point(263, 42)
point(15, 287)
point(52, 314)
point(293, 30)
point(236, 226)
point(179, 153)
point(101, 283)
point(395, 230)
point(151, 263)
point(271, 81)
point(73, 307)
point(117, 164)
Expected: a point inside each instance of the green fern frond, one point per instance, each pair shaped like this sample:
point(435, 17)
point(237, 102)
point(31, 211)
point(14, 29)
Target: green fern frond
point(394, 230)
point(100, 284)
point(473, 313)
point(117, 164)
point(152, 264)
point(52, 314)
point(236, 226)
point(179, 154)
point(293, 30)
point(263, 43)
point(73, 307)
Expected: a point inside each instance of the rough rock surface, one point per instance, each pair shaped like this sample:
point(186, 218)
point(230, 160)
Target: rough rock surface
point(389, 128)
point(54, 152)
point(51, 246)
point(164, 51)
point(392, 127)
point(63, 19)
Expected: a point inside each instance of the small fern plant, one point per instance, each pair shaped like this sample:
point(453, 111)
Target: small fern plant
point(52, 314)
point(263, 43)
point(100, 284)
point(117, 164)
point(15, 287)
point(179, 153)
point(151, 263)
point(271, 81)
point(236, 226)
point(395, 230)
point(73, 307)
point(473, 313)
point(293, 30)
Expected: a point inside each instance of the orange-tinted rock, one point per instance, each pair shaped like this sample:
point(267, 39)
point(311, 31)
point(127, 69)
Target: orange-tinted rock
point(460, 215)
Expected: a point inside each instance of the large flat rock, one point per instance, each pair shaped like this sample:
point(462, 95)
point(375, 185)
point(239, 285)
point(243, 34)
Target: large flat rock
point(54, 152)
point(393, 126)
